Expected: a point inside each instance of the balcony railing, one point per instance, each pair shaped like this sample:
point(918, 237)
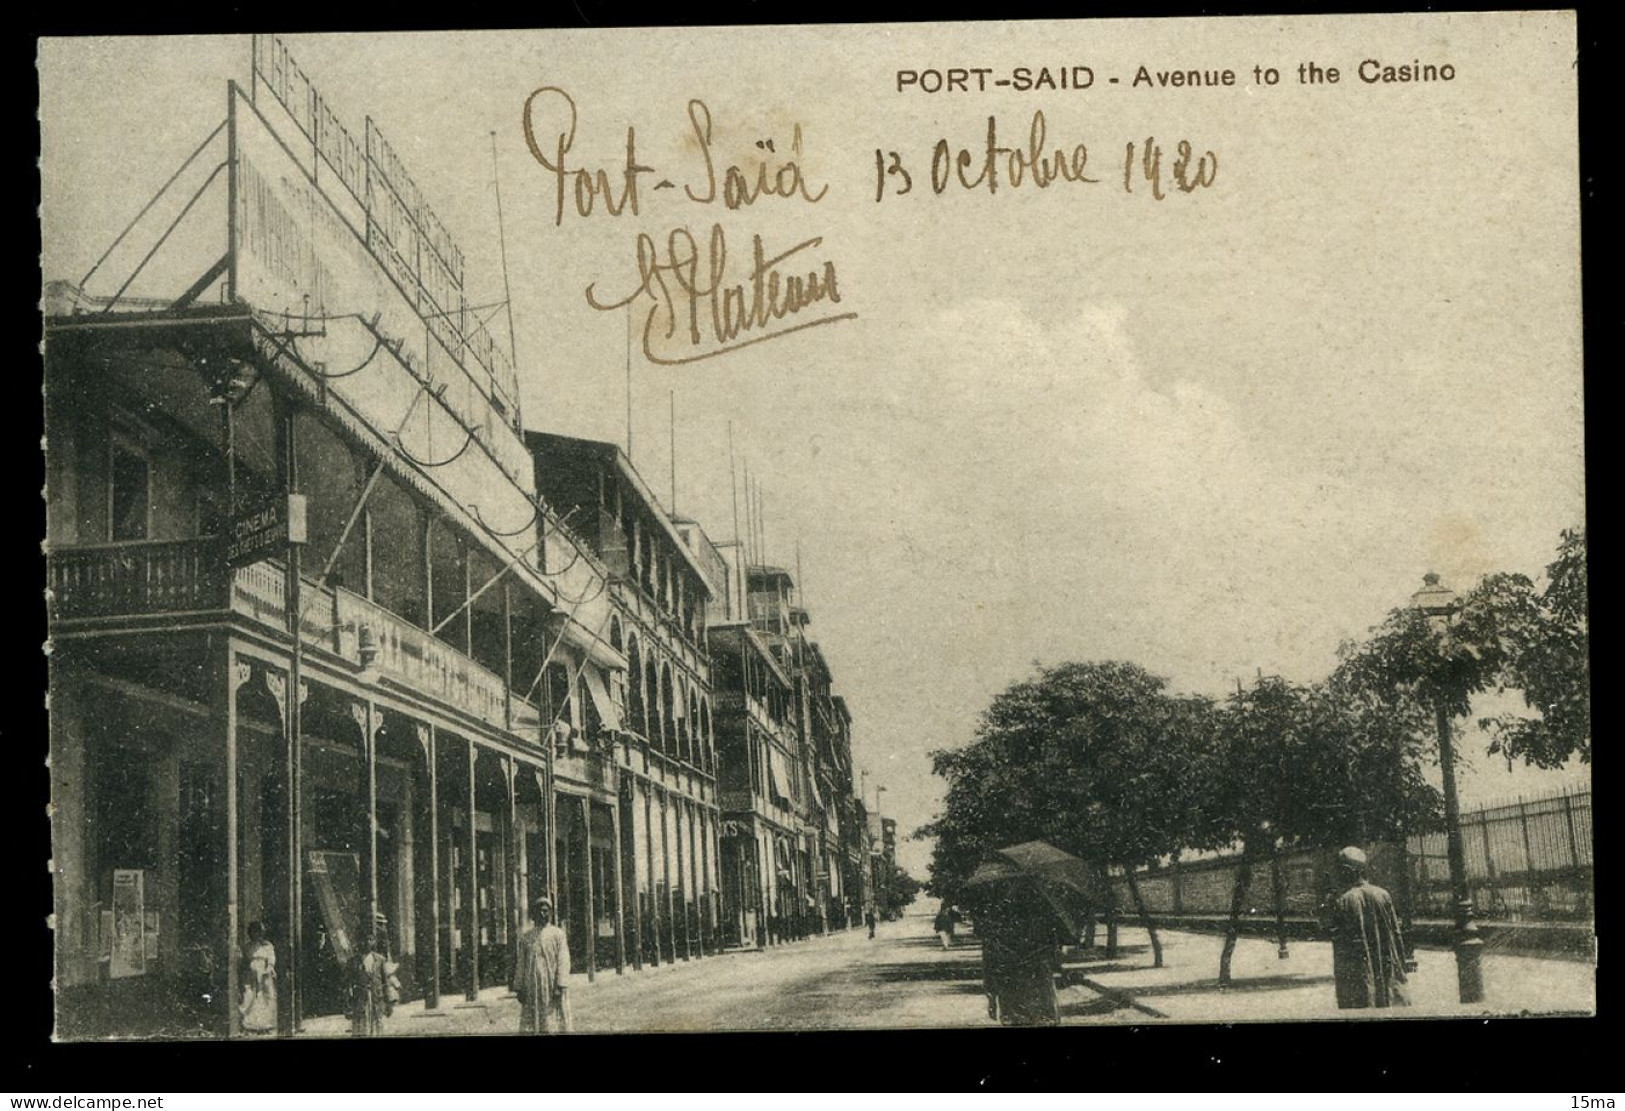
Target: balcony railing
point(136, 579)
point(149, 578)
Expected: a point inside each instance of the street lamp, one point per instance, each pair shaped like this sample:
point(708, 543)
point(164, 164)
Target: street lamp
point(1438, 603)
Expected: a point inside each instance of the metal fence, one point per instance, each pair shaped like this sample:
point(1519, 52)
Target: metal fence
point(1529, 860)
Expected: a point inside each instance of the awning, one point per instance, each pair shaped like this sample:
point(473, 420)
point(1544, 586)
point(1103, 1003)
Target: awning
point(577, 635)
point(608, 712)
point(778, 774)
point(773, 775)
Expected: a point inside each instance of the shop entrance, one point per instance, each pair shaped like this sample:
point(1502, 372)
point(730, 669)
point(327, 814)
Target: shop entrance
point(479, 881)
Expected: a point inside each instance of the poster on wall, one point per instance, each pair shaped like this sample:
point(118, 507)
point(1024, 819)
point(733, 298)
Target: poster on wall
point(104, 940)
point(335, 878)
point(129, 953)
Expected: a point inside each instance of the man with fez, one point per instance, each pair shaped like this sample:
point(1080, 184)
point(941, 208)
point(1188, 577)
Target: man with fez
point(540, 972)
point(1368, 954)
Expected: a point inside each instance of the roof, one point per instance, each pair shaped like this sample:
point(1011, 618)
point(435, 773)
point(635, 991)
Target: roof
point(727, 629)
point(763, 572)
point(543, 444)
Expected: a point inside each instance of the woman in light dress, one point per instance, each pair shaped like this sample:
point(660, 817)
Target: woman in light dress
point(258, 1006)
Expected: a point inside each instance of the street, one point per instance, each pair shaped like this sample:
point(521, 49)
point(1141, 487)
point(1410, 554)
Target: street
point(904, 979)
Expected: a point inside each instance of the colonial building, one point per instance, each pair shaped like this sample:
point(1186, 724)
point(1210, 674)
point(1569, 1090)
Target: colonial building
point(757, 743)
point(787, 768)
point(315, 638)
point(663, 574)
point(341, 651)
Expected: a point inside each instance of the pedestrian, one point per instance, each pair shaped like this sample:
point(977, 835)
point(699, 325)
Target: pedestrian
point(1368, 951)
point(369, 988)
point(944, 925)
point(869, 919)
point(257, 1008)
point(1021, 940)
point(540, 973)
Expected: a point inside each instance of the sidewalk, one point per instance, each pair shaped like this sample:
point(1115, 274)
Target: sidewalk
point(1265, 988)
point(608, 996)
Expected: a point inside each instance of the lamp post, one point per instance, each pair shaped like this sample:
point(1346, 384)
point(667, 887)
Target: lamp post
point(1438, 603)
point(883, 872)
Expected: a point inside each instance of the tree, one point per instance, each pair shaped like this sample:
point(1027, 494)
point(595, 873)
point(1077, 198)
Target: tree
point(1139, 761)
point(1259, 746)
point(1548, 649)
point(1504, 635)
point(1311, 765)
point(1092, 757)
point(1003, 788)
point(898, 892)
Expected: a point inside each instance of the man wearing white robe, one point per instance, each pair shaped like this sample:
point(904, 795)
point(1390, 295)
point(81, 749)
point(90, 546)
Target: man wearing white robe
point(540, 974)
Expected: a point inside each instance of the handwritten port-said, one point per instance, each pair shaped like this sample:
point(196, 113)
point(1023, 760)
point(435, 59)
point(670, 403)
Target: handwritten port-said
point(703, 300)
point(698, 304)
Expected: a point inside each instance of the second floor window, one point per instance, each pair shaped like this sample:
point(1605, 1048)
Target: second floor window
point(129, 493)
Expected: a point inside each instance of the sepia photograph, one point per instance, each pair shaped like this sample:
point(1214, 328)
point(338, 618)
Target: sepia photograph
point(816, 527)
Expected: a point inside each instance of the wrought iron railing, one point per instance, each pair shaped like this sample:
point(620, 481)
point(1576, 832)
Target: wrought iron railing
point(136, 578)
point(151, 578)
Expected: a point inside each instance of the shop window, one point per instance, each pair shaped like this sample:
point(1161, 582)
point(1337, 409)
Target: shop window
point(336, 822)
point(129, 480)
point(200, 841)
point(124, 814)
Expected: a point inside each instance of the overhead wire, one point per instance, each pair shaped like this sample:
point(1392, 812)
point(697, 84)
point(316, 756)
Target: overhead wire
point(378, 345)
point(535, 512)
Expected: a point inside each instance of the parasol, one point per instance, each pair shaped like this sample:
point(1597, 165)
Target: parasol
point(1034, 867)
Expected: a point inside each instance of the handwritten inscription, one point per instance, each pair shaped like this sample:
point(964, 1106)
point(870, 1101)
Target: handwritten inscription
point(699, 301)
point(585, 184)
point(993, 166)
point(699, 306)
point(695, 300)
point(786, 180)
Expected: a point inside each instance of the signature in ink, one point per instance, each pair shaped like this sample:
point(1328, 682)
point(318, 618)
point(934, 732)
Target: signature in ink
point(697, 312)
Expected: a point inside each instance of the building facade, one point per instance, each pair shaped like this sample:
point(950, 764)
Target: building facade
point(341, 653)
point(661, 580)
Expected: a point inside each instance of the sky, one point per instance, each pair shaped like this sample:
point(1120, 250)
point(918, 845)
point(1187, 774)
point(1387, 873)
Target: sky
point(1216, 434)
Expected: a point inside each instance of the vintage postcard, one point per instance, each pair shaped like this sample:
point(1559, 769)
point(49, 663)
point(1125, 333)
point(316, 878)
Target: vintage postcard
point(809, 527)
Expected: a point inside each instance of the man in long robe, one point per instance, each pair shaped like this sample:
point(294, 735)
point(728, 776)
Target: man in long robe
point(1368, 952)
point(540, 974)
point(1021, 941)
